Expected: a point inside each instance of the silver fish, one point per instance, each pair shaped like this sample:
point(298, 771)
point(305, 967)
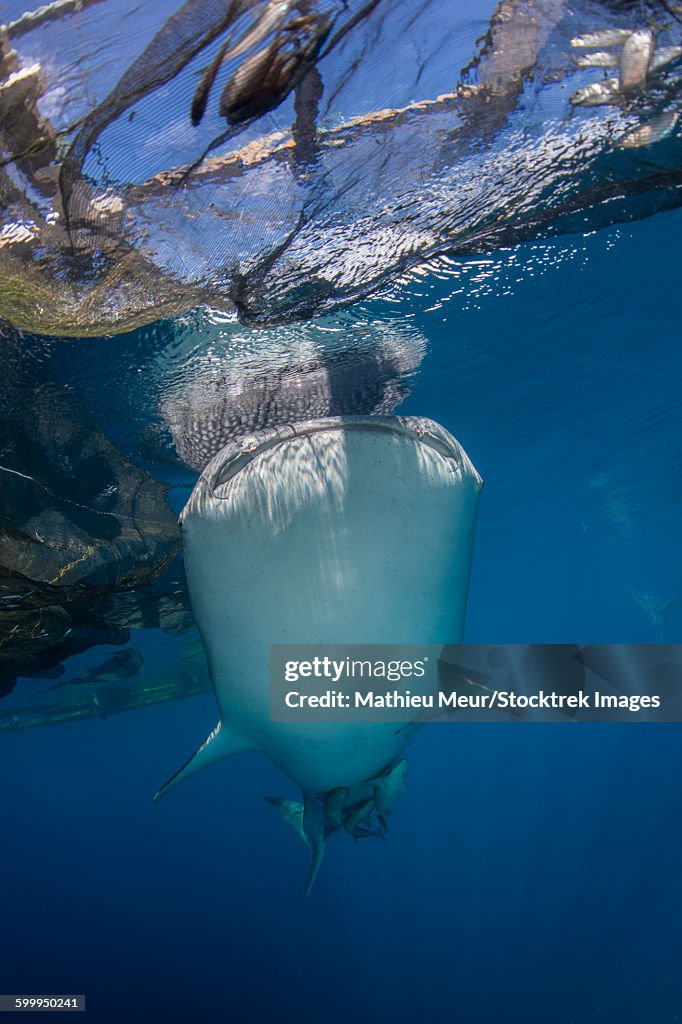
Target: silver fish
point(598, 59)
point(664, 56)
point(597, 94)
point(636, 58)
point(605, 37)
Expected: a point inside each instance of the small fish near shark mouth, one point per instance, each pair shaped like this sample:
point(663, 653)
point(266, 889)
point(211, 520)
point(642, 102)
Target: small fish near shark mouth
point(341, 530)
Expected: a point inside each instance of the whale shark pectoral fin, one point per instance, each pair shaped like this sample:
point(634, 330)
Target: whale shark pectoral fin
point(221, 743)
point(316, 831)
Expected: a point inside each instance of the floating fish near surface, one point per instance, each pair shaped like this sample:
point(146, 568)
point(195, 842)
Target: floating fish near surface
point(271, 19)
point(605, 37)
point(267, 77)
point(664, 56)
point(635, 59)
point(340, 530)
point(598, 59)
point(597, 94)
point(637, 62)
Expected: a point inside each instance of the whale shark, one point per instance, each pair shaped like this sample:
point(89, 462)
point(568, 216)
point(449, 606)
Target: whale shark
point(343, 530)
point(232, 385)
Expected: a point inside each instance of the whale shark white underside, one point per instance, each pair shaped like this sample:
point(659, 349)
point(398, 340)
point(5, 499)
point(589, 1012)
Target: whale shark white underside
point(341, 530)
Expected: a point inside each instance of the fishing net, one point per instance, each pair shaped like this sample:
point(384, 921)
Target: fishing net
point(282, 158)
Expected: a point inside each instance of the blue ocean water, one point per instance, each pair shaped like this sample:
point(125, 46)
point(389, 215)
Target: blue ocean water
point(531, 871)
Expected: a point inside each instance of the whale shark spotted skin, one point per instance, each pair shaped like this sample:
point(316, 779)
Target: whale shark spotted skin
point(344, 530)
point(235, 386)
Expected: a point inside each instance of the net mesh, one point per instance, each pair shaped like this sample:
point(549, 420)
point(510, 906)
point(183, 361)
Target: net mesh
point(283, 158)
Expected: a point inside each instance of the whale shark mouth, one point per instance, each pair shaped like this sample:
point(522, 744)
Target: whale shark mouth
point(344, 530)
point(233, 459)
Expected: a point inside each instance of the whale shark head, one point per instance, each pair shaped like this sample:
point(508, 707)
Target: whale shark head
point(335, 531)
point(237, 387)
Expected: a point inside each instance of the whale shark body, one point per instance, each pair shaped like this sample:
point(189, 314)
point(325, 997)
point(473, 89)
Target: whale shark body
point(344, 530)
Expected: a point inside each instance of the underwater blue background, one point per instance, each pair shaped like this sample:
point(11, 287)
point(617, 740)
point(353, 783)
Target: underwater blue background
point(532, 872)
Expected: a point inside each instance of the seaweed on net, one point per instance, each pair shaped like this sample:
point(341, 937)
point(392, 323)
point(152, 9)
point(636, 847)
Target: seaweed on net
point(283, 158)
